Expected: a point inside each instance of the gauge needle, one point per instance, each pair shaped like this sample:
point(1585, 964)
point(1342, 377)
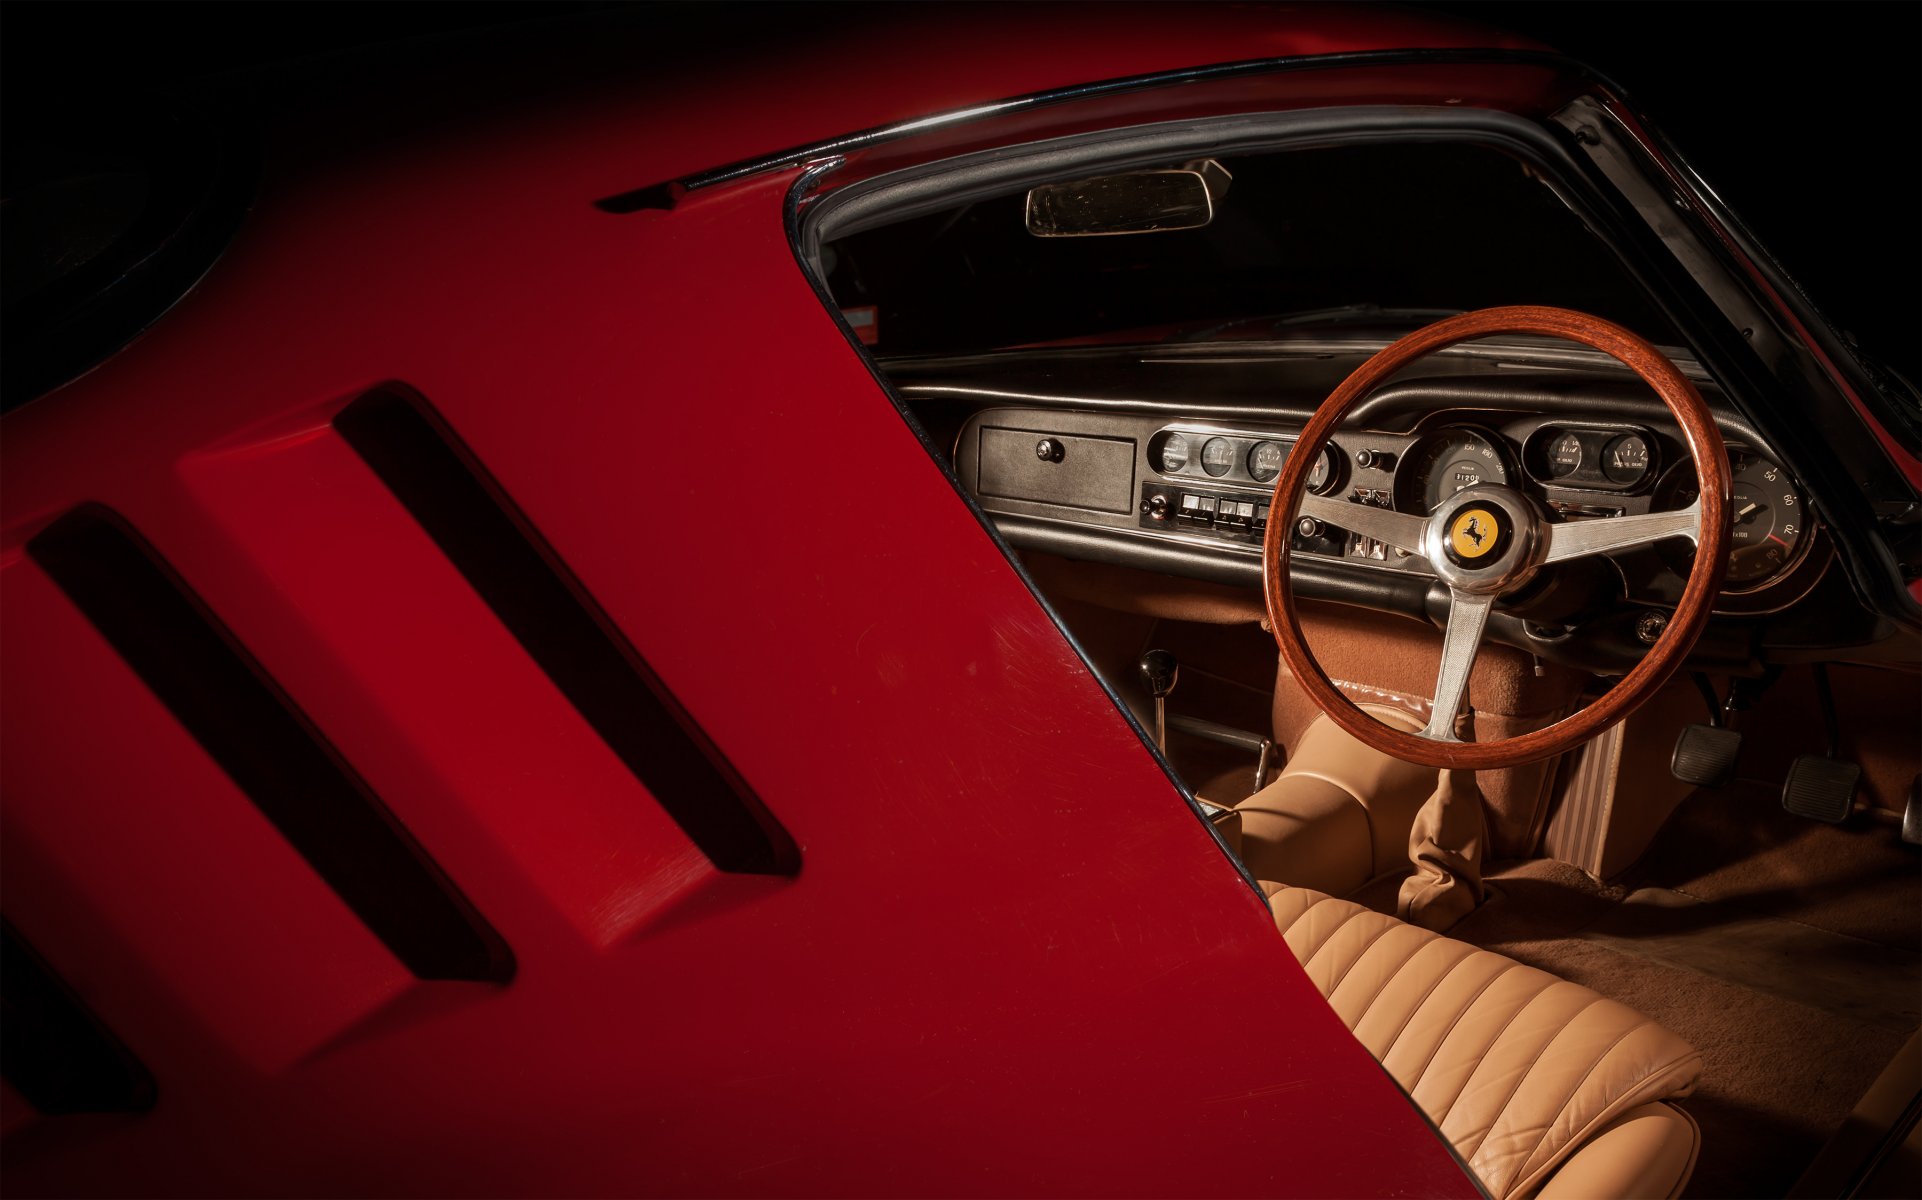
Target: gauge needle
point(1752, 506)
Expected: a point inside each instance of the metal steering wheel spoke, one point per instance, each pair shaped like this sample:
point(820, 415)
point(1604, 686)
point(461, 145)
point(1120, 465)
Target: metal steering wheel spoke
point(1489, 539)
point(1397, 529)
point(1467, 617)
point(1576, 539)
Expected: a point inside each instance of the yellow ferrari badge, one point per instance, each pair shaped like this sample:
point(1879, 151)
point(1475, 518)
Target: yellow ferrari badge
point(1473, 532)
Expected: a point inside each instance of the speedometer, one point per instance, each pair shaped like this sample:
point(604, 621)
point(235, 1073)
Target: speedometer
point(1447, 462)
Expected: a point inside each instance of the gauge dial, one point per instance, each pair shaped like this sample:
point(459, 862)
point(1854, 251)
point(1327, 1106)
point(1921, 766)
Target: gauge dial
point(1218, 456)
point(1768, 527)
point(1326, 473)
point(1625, 459)
point(1565, 456)
point(1265, 461)
point(1450, 461)
point(1175, 451)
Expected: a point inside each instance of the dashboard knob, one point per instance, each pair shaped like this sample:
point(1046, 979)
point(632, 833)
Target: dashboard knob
point(1050, 450)
point(1650, 627)
point(1308, 527)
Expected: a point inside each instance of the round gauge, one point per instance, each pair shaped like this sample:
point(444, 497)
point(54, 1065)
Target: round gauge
point(1447, 462)
point(1768, 529)
point(1175, 451)
point(1625, 460)
point(1217, 456)
point(1766, 522)
point(1565, 456)
point(1265, 460)
point(1326, 473)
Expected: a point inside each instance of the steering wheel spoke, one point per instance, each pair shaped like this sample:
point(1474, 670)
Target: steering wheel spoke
point(1488, 540)
point(1576, 539)
point(1467, 617)
point(1385, 525)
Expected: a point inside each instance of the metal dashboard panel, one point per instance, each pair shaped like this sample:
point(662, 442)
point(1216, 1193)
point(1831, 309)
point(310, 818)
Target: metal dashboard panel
point(1046, 466)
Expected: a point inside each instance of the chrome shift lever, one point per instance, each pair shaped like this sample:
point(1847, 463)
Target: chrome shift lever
point(1160, 671)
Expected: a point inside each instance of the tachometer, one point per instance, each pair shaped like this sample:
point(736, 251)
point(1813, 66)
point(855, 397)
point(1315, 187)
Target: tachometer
point(1447, 462)
point(1768, 521)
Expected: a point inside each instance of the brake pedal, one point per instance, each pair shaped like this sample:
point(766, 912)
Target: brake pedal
point(1821, 789)
point(1705, 755)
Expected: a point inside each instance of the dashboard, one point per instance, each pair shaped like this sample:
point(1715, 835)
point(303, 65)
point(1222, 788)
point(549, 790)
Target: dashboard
point(1065, 462)
point(1209, 484)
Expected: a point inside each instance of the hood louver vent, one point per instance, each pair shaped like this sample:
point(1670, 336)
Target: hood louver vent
point(53, 1050)
point(570, 639)
point(268, 747)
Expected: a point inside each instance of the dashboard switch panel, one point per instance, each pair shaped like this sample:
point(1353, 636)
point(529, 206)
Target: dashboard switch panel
point(1232, 515)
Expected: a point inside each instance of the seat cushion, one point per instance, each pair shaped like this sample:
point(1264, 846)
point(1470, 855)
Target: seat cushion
point(1515, 1067)
point(1647, 1152)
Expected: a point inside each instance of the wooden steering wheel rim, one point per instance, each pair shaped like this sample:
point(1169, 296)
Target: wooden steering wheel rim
point(1704, 443)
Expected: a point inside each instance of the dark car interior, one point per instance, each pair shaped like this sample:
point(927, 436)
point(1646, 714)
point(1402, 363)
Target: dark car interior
point(1737, 860)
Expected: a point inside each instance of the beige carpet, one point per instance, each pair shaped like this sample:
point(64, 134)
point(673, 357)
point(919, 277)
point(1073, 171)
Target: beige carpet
point(1789, 953)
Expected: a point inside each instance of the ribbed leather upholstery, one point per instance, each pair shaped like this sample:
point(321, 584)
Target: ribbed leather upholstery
point(1514, 1066)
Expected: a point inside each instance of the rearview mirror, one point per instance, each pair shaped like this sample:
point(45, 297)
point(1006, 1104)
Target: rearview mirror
point(1133, 202)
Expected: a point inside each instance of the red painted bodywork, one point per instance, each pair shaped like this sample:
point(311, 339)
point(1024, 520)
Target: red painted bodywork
point(1012, 961)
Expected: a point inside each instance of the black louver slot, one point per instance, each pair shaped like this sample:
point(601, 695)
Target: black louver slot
point(493, 545)
point(268, 747)
point(53, 1050)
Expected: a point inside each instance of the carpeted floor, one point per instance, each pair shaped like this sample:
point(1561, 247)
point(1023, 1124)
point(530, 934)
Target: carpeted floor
point(1789, 953)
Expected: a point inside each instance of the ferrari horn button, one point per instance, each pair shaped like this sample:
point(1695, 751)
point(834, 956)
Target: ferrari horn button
point(1475, 534)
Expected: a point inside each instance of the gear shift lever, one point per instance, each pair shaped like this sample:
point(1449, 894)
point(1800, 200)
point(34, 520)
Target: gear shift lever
point(1160, 670)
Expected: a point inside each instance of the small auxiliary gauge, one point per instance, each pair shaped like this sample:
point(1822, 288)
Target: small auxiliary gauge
point(1565, 456)
point(1325, 474)
point(1218, 456)
point(1624, 460)
point(1175, 452)
point(1265, 461)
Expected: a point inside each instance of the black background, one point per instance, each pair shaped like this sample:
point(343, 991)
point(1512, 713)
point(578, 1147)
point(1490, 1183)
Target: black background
point(1806, 118)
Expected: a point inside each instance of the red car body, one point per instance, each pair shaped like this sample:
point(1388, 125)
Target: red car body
point(1010, 960)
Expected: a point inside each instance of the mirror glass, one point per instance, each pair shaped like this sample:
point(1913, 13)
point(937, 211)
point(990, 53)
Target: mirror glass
point(1131, 202)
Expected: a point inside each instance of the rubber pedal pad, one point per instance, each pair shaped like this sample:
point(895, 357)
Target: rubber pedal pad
point(1705, 755)
point(1821, 789)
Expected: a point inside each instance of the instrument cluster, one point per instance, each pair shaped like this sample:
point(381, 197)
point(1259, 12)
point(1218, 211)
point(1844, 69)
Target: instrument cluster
point(1577, 470)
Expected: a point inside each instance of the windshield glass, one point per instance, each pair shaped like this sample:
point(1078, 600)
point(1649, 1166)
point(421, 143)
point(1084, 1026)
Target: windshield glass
point(1375, 234)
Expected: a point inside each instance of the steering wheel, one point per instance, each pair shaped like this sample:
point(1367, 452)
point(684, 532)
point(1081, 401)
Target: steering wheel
point(1488, 540)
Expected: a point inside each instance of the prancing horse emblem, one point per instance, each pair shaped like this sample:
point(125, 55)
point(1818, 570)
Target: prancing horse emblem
point(1473, 533)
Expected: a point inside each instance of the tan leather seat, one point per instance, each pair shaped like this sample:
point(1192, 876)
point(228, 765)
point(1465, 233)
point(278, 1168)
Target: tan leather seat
point(1540, 1084)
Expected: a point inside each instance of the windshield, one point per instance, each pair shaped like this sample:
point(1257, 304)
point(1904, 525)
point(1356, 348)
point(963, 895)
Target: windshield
point(1396, 234)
